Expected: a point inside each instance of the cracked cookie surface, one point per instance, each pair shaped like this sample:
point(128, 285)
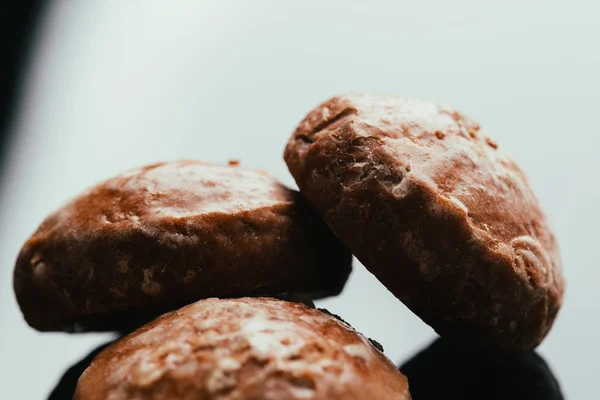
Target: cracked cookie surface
point(161, 236)
point(243, 349)
point(434, 209)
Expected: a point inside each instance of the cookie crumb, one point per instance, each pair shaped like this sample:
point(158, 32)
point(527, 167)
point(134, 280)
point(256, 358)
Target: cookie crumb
point(491, 143)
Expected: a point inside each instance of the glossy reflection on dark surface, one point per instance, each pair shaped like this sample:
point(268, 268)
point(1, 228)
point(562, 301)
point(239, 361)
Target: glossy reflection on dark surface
point(444, 372)
point(65, 388)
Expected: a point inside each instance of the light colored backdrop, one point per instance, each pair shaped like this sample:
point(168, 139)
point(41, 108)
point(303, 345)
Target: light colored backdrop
point(114, 85)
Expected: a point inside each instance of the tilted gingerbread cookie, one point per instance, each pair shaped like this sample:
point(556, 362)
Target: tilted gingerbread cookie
point(243, 349)
point(432, 207)
point(159, 237)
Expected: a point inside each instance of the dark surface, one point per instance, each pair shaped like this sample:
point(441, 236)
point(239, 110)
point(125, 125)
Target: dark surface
point(18, 20)
point(442, 371)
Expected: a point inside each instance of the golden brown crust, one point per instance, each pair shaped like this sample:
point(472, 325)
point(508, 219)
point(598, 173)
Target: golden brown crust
point(441, 216)
point(164, 235)
point(243, 349)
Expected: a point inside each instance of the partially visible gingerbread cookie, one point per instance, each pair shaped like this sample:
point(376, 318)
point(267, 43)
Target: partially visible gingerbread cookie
point(165, 235)
point(243, 349)
point(437, 212)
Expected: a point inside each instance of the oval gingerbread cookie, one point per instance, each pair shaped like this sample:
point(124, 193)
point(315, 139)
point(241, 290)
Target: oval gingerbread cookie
point(437, 212)
point(165, 235)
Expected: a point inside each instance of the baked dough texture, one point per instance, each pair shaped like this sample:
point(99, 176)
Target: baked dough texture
point(243, 349)
point(162, 236)
point(437, 212)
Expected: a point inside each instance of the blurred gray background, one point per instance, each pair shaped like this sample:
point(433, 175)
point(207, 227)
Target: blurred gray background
point(116, 84)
